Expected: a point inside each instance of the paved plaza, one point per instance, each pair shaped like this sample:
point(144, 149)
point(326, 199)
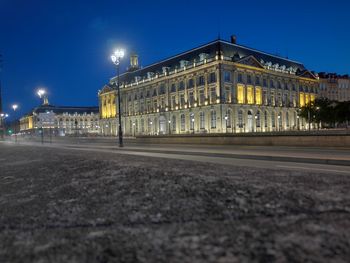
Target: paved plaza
point(81, 205)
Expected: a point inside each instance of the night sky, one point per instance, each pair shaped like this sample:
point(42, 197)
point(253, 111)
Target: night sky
point(65, 45)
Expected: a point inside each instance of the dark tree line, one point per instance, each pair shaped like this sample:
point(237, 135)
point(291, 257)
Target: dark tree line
point(327, 113)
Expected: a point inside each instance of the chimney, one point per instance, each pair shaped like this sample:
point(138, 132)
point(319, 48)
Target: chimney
point(134, 61)
point(233, 39)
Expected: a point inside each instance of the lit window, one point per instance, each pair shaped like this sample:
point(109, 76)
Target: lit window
point(301, 99)
point(240, 94)
point(258, 99)
point(250, 95)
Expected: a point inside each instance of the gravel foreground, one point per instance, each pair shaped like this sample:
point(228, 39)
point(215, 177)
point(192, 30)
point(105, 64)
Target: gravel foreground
point(59, 205)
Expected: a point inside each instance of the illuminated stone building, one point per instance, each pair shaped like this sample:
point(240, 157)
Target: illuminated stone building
point(334, 87)
point(61, 120)
point(220, 87)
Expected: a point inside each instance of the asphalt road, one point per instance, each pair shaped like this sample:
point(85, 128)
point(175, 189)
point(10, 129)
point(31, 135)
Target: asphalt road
point(96, 203)
point(318, 159)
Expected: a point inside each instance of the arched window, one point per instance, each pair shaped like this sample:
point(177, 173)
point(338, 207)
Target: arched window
point(265, 119)
point(213, 119)
point(201, 120)
point(142, 125)
point(280, 120)
point(136, 126)
point(257, 117)
point(192, 121)
point(130, 128)
point(149, 125)
point(273, 121)
point(287, 119)
point(182, 122)
point(228, 118)
point(240, 119)
point(174, 123)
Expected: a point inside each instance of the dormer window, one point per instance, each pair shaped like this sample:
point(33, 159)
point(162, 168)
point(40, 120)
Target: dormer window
point(165, 70)
point(183, 63)
point(150, 75)
point(203, 56)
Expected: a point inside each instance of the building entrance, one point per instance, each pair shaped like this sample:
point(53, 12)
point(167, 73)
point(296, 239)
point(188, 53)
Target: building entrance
point(162, 125)
point(250, 121)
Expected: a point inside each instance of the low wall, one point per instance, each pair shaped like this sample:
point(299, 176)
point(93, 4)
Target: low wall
point(311, 140)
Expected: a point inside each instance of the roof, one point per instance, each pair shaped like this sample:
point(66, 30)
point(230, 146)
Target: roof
point(228, 49)
point(66, 109)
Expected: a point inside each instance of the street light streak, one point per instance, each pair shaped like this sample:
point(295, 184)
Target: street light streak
point(310, 168)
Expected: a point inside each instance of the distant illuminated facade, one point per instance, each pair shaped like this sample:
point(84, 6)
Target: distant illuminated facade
point(220, 87)
point(334, 87)
point(61, 120)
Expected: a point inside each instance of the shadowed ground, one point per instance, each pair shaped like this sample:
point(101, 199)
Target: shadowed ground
point(59, 205)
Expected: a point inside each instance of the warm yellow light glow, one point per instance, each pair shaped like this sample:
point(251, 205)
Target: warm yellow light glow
point(258, 94)
point(108, 105)
point(307, 98)
point(240, 94)
point(312, 97)
point(301, 99)
point(250, 95)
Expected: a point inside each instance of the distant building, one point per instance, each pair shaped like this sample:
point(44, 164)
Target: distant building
point(334, 87)
point(220, 87)
point(61, 120)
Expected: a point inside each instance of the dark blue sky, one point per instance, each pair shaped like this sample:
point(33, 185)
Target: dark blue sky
point(65, 45)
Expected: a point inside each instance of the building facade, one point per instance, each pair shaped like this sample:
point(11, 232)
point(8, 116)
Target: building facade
point(334, 87)
point(61, 120)
point(220, 87)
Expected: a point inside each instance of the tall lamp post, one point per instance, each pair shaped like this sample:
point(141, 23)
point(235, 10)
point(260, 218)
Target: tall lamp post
point(3, 116)
point(116, 57)
point(42, 95)
point(15, 107)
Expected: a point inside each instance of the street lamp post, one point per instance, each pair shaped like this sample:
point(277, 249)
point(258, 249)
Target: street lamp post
point(3, 116)
point(192, 124)
point(116, 57)
point(169, 126)
point(226, 123)
point(42, 93)
point(50, 123)
point(15, 107)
